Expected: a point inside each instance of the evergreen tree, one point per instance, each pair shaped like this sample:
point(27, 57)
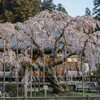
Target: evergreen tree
point(48, 4)
point(96, 9)
point(19, 10)
point(87, 11)
point(2, 5)
point(9, 16)
point(36, 4)
point(61, 8)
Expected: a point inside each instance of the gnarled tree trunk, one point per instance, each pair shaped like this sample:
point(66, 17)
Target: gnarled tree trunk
point(50, 74)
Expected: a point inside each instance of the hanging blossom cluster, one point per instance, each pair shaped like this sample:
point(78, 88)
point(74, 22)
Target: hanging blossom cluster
point(26, 79)
point(9, 58)
point(92, 50)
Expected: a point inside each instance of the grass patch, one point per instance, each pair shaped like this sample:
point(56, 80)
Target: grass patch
point(85, 94)
point(67, 94)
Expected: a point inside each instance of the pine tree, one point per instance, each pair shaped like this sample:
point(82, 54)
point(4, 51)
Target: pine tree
point(48, 4)
point(18, 10)
point(9, 16)
point(61, 8)
point(36, 4)
point(23, 9)
point(96, 9)
point(2, 6)
point(87, 11)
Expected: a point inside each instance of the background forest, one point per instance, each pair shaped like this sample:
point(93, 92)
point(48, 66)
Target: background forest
point(20, 10)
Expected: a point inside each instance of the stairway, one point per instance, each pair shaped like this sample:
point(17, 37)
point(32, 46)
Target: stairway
point(88, 86)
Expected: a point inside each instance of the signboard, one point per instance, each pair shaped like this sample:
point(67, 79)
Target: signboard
point(45, 87)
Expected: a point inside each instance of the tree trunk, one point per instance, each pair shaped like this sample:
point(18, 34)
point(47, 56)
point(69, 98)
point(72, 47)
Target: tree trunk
point(50, 74)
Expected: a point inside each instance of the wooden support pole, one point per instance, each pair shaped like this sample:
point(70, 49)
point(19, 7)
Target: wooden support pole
point(31, 67)
point(4, 71)
point(82, 73)
point(44, 72)
point(17, 68)
point(25, 91)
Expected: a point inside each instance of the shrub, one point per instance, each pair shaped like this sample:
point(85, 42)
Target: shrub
point(63, 85)
point(10, 87)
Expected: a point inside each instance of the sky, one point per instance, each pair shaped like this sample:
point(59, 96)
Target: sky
point(75, 7)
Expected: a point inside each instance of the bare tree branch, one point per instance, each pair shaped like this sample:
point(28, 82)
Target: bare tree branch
point(56, 49)
point(63, 60)
point(38, 46)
